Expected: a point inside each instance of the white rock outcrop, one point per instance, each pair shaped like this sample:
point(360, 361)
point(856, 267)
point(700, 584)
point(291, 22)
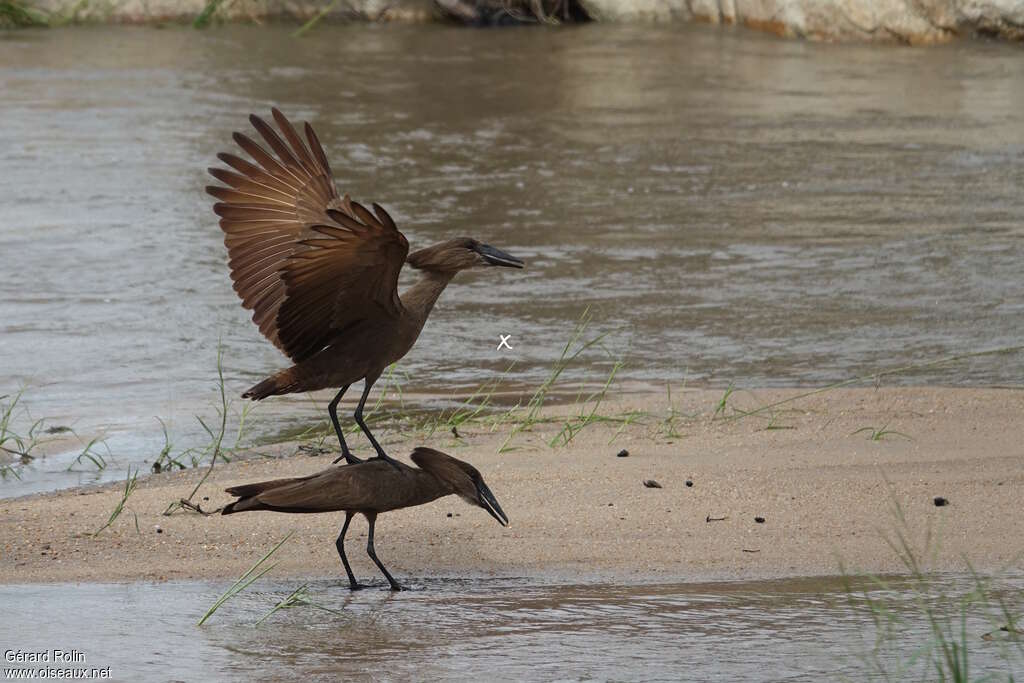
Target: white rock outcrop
point(148, 11)
point(909, 21)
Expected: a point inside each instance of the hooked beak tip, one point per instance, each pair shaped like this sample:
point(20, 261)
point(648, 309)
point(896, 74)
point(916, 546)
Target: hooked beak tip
point(488, 502)
point(499, 514)
point(496, 257)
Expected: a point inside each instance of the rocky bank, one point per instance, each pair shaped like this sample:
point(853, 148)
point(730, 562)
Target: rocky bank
point(903, 21)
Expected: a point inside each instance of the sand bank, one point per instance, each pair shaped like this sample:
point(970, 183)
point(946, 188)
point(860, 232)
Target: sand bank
point(825, 491)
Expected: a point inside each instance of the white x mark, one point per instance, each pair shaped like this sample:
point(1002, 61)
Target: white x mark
point(504, 341)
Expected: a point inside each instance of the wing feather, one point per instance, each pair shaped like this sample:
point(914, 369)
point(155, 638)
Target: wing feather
point(271, 165)
point(318, 151)
point(246, 184)
point(290, 162)
point(296, 143)
point(226, 194)
point(307, 262)
point(353, 487)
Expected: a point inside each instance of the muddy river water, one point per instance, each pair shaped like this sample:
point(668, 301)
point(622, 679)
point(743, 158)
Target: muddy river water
point(731, 207)
point(512, 630)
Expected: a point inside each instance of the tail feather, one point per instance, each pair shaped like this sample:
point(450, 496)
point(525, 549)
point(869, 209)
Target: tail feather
point(247, 494)
point(250, 490)
point(230, 508)
point(242, 505)
point(284, 382)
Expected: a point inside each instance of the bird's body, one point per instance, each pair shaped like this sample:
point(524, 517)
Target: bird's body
point(344, 360)
point(373, 486)
point(320, 272)
point(370, 488)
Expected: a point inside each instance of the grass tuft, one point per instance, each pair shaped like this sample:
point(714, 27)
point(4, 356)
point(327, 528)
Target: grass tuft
point(245, 580)
point(14, 14)
point(881, 433)
point(723, 403)
point(129, 487)
point(773, 423)
point(214, 450)
point(16, 443)
point(946, 655)
point(297, 598)
point(536, 402)
point(92, 454)
point(315, 19)
point(574, 426)
point(205, 18)
point(668, 426)
point(166, 461)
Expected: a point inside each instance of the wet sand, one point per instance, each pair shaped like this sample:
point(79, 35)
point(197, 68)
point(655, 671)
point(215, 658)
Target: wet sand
point(826, 494)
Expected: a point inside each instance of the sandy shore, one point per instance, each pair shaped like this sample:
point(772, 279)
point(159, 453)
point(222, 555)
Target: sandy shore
point(825, 493)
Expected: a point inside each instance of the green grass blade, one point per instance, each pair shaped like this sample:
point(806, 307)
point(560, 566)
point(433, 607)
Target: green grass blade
point(245, 580)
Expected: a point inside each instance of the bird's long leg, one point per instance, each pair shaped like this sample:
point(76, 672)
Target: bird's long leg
point(340, 543)
point(332, 409)
point(366, 430)
point(372, 519)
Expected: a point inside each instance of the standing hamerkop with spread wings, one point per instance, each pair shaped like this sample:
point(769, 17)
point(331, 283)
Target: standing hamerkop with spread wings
point(320, 272)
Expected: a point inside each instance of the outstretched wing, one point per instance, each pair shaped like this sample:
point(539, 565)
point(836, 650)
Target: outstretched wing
point(307, 262)
point(348, 274)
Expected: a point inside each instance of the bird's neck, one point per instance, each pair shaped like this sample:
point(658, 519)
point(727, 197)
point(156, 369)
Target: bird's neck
point(419, 299)
point(432, 487)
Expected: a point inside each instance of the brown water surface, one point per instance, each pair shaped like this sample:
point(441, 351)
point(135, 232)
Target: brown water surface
point(519, 629)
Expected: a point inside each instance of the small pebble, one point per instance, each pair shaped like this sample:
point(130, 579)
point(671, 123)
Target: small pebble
point(689, 482)
point(759, 520)
point(449, 514)
point(206, 498)
point(622, 454)
point(158, 529)
point(940, 501)
point(651, 484)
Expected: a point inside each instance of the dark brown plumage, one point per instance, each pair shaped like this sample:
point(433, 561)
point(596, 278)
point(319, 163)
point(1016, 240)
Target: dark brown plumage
point(320, 272)
point(370, 488)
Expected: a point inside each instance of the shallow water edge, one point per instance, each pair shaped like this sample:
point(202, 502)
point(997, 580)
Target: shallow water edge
point(501, 628)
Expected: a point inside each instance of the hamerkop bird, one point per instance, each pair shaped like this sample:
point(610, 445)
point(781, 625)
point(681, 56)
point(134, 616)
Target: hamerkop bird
point(370, 488)
point(320, 272)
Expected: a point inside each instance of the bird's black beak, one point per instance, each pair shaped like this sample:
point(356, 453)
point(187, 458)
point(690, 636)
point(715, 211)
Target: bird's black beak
point(487, 501)
point(496, 257)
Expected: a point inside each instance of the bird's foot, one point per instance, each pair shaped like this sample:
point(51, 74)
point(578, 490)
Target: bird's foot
point(388, 459)
point(356, 586)
point(396, 588)
point(348, 458)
